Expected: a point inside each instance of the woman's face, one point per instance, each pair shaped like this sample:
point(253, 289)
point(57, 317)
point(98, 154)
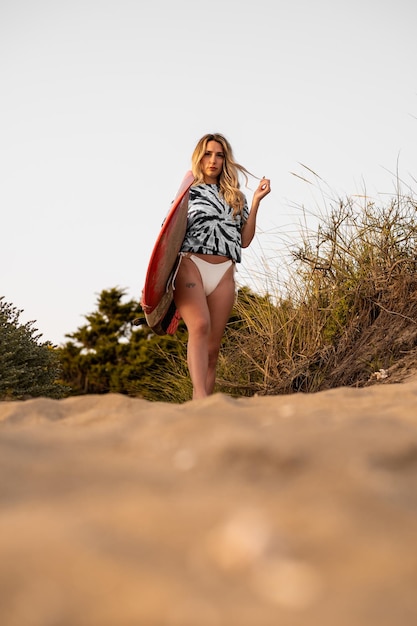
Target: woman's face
point(212, 162)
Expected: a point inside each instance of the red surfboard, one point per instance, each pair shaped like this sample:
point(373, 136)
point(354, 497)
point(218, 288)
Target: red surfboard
point(157, 296)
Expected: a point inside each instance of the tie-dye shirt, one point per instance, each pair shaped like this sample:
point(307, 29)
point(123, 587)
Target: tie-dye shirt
point(211, 227)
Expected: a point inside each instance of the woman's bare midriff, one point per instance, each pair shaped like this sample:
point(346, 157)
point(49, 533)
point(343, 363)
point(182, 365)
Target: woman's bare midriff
point(212, 258)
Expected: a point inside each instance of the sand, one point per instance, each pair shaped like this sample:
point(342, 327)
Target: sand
point(287, 510)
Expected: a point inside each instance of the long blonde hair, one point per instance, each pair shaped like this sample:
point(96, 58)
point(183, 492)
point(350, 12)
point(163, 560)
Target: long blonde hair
point(229, 177)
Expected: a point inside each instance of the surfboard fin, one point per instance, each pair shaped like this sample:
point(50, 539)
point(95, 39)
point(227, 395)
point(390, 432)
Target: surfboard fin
point(138, 321)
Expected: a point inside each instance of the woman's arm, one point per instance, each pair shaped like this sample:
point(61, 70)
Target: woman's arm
point(248, 230)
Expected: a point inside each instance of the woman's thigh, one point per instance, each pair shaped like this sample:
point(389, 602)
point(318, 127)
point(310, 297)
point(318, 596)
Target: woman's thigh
point(220, 303)
point(189, 295)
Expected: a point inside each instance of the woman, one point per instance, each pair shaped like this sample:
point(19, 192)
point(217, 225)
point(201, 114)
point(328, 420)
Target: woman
point(219, 224)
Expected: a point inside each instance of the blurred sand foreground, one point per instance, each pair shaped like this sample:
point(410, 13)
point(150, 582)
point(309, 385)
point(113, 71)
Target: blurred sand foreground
point(288, 510)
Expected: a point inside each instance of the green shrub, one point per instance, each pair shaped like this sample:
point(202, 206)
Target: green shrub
point(28, 367)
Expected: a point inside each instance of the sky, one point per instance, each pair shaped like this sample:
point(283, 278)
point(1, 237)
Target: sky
point(103, 101)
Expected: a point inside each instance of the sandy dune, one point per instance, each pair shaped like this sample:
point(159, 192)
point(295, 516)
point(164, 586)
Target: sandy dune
point(291, 510)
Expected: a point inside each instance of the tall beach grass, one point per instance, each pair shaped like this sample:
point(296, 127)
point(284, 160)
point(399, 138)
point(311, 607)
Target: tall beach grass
point(341, 306)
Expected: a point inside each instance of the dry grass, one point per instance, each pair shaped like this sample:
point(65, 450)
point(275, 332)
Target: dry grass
point(347, 309)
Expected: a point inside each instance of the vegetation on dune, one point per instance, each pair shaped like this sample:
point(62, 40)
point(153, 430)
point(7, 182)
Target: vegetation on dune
point(28, 367)
point(346, 313)
point(349, 312)
point(110, 354)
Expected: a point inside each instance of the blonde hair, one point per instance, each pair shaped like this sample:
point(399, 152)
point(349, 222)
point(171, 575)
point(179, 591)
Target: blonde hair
point(229, 177)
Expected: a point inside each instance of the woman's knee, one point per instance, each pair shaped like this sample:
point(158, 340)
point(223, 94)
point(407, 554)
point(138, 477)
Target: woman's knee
point(200, 326)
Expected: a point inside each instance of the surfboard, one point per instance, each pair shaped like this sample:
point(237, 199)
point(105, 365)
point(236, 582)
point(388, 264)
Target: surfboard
point(157, 299)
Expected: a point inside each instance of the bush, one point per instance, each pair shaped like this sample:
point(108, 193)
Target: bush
point(110, 354)
point(28, 367)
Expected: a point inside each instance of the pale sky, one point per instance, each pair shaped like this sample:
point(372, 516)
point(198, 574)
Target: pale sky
point(103, 101)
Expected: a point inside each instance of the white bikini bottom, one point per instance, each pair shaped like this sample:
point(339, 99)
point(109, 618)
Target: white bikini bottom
point(211, 273)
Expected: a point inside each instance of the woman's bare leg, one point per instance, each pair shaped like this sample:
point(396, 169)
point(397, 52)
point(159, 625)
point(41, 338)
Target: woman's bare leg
point(206, 319)
point(191, 302)
point(220, 303)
